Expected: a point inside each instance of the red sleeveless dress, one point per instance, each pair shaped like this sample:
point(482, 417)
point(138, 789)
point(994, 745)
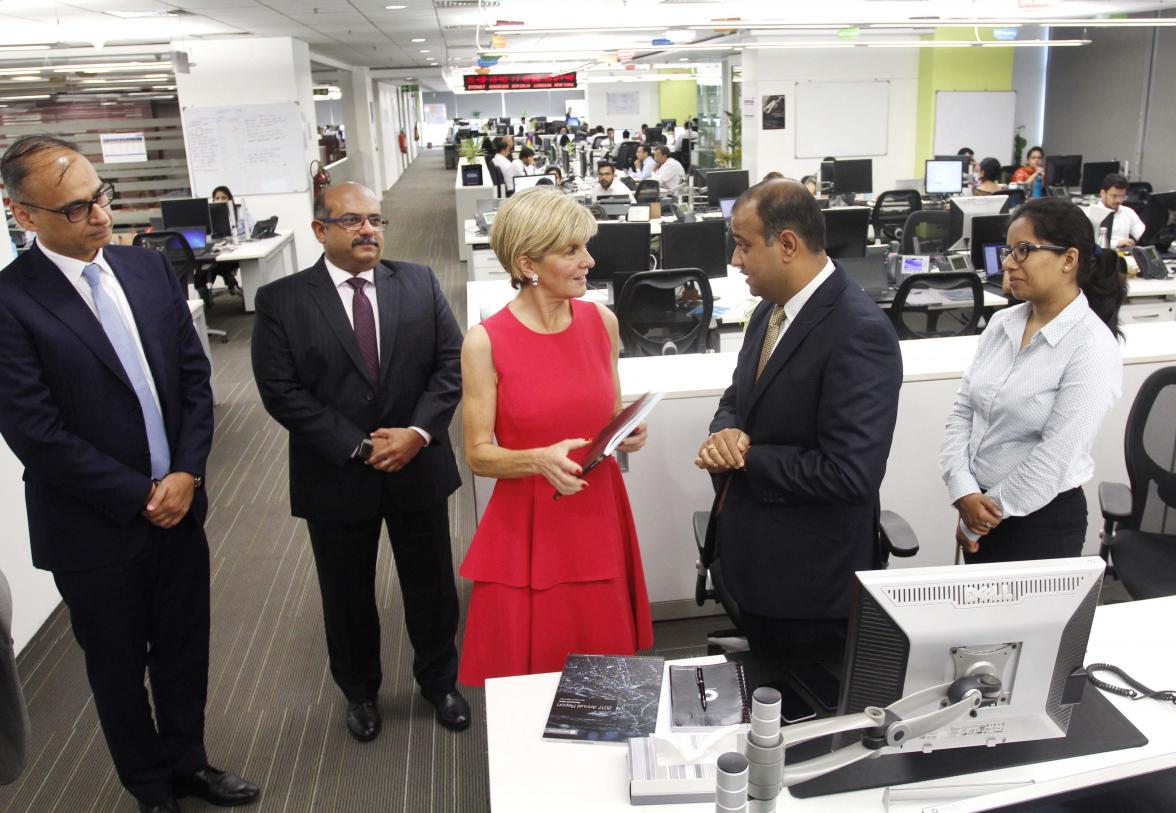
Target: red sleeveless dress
point(552, 576)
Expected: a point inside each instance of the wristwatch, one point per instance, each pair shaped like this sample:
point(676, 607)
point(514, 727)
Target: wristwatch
point(364, 451)
point(198, 480)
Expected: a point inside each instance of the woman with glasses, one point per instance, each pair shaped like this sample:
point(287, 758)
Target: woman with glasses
point(1016, 449)
point(551, 576)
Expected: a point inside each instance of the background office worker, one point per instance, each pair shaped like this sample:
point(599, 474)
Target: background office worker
point(802, 434)
point(550, 576)
point(1032, 175)
point(501, 160)
point(1016, 449)
point(669, 174)
point(359, 358)
point(987, 177)
point(644, 163)
point(105, 399)
point(607, 183)
point(1126, 227)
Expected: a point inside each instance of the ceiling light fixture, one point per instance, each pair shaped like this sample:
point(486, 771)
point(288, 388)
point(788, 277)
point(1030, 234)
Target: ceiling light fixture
point(418, 39)
point(25, 47)
point(424, 51)
point(395, 8)
point(24, 98)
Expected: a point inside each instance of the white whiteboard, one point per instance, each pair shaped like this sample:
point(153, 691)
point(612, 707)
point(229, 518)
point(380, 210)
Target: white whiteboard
point(842, 119)
point(256, 149)
point(981, 119)
point(622, 104)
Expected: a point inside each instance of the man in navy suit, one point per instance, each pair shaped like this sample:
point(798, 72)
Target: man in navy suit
point(801, 437)
point(360, 359)
point(105, 399)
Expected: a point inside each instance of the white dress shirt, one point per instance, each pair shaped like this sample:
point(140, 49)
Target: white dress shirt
point(72, 269)
point(670, 176)
point(800, 298)
point(617, 188)
point(1024, 421)
point(504, 166)
point(517, 167)
point(347, 296)
point(1127, 224)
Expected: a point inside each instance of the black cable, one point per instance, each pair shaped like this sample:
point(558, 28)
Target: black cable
point(1137, 691)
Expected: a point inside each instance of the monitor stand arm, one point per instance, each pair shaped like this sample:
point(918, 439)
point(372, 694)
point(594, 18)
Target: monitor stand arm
point(890, 726)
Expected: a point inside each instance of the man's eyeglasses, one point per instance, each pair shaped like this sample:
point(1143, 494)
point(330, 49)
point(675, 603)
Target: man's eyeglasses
point(355, 222)
point(1021, 251)
point(79, 210)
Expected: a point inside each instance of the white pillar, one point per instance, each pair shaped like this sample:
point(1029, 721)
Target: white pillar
point(358, 115)
point(258, 71)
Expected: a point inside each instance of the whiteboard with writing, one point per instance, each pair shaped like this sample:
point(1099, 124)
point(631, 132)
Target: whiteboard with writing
point(256, 149)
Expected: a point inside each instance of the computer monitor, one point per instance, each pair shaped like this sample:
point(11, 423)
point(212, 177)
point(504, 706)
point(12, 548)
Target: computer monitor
point(221, 220)
point(701, 244)
point(618, 248)
point(943, 177)
point(992, 265)
point(669, 124)
point(1093, 174)
point(179, 212)
point(654, 135)
point(520, 182)
point(853, 175)
point(845, 231)
point(725, 183)
point(614, 205)
point(1063, 170)
point(987, 230)
point(195, 235)
point(1025, 624)
point(572, 121)
point(727, 206)
point(962, 209)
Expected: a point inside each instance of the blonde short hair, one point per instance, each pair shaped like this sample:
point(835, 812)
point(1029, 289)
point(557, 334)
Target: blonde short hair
point(534, 223)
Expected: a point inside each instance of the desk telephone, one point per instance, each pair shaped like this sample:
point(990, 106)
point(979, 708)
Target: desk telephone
point(263, 229)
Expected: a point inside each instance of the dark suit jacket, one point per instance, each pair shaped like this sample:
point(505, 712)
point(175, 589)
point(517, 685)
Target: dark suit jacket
point(803, 514)
point(70, 415)
point(313, 381)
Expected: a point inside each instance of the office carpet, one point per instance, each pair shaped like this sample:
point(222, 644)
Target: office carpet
point(274, 714)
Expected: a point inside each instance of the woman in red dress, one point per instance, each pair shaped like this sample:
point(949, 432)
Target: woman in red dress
point(540, 378)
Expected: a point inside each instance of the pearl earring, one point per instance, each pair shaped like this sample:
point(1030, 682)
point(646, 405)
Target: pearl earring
point(534, 280)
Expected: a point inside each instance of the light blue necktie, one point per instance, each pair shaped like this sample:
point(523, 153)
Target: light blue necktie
point(124, 345)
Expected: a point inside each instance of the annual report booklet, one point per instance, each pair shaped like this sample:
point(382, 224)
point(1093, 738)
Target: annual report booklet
point(605, 698)
point(724, 689)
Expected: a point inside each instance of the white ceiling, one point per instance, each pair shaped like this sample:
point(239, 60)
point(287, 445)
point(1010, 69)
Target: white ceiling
point(365, 33)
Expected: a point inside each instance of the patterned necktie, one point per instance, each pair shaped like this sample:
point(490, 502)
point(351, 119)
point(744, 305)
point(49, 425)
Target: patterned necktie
point(775, 322)
point(364, 320)
point(124, 346)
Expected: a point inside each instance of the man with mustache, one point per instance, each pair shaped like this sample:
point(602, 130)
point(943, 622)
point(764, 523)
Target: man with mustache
point(360, 359)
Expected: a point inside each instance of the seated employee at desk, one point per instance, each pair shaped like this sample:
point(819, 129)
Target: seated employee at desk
point(524, 164)
point(607, 183)
point(644, 165)
point(501, 160)
point(205, 272)
point(670, 175)
point(987, 177)
point(1032, 175)
point(801, 437)
point(1127, 227)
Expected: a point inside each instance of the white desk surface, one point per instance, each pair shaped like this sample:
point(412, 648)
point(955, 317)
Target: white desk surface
point(530, 774)
point(256, 249)
point(1151, 287)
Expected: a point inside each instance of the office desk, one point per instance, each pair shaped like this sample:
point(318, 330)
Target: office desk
point(665, 488)
point(528, 773)
point(465, 199)
point(201, 324)
point(262, 261)
point(1149, 300)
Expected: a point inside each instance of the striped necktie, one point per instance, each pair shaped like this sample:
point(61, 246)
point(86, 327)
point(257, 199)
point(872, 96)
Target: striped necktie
point(775, 323)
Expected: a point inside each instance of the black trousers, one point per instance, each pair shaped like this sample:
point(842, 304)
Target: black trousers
point(1053, 531)
point(150, 614)
point(794, 641)
point(345, 556)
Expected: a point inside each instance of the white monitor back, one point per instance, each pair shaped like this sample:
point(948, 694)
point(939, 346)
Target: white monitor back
point(1025, 622)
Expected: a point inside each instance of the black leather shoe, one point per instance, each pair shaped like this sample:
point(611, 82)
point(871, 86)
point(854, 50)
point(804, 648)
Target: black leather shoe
point(363, 720)
point(166, 806)
point(453, 711)
point(220, 788)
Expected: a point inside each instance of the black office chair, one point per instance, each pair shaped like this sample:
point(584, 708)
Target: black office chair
point(174, 246)
point(683, 154)
point(626, 153)
point(891, 210)
point(665, 312)
point(497, 180)
point(930, 306)
point(895, 538)
point(1138, 190)
point(648, 191)
point(926, 231)
point(1139, 522)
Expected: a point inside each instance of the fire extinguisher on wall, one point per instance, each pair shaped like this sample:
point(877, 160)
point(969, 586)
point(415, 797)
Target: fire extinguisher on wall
point(403, 140)
point(320, 178)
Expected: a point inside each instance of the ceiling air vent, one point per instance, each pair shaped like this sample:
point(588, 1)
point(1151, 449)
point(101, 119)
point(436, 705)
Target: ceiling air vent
point(465, 4)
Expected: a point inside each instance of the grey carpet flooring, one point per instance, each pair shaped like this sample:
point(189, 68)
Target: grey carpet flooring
point(274, 714)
